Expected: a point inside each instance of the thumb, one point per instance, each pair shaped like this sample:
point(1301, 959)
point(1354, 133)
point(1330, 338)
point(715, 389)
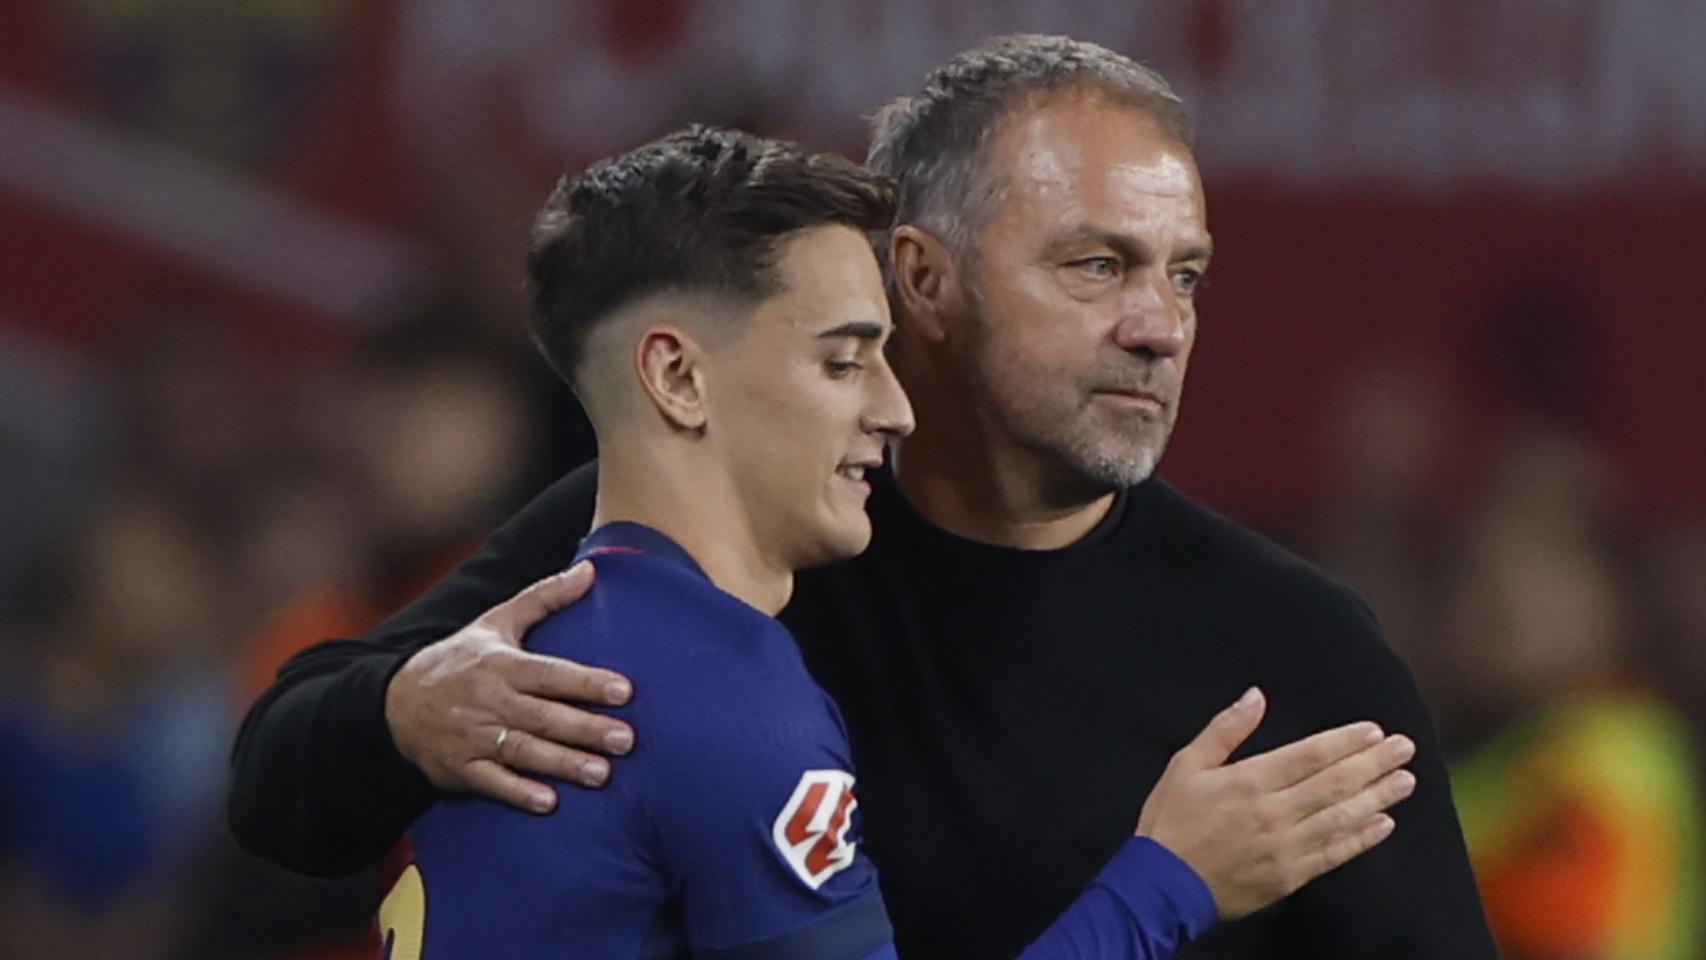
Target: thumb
point(1229, 728)
point(515, 616)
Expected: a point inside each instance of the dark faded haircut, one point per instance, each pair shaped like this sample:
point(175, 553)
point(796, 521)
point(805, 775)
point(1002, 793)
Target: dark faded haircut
point(935, 144)
point(702, 211)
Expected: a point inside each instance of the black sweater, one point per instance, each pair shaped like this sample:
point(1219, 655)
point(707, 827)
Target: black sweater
point(1009, 711)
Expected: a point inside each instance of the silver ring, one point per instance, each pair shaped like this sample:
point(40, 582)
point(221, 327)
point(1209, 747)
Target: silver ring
point(502, 736)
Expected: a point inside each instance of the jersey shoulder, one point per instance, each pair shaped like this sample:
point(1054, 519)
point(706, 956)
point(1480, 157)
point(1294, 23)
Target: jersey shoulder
point(651, 614)
point(712, 675)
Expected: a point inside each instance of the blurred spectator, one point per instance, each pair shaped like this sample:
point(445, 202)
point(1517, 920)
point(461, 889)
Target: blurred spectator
point(55, 437)
point(112, 740)
point(191, 405)
point(431, 432)
point(1675, 591)
point(1581, 805)
point(1384, 530)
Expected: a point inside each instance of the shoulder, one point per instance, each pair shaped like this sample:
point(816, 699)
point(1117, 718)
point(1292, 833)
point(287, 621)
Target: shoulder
point(1202, 543)
point(1314, 639)
point(712, 675)
point(644, 605)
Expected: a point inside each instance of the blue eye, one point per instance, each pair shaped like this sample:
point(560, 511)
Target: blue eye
point(1100, 268)
point(1188, 280)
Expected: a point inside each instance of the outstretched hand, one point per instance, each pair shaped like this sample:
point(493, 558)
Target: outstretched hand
point(1259, 829)
point(469, 708)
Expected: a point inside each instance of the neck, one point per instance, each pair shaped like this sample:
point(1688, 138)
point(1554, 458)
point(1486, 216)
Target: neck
point(694, 505)
point(958, 474)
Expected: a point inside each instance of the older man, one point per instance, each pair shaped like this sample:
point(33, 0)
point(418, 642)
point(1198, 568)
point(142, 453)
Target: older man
point(1038, 625)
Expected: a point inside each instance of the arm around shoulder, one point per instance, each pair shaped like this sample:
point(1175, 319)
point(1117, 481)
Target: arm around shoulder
point(317, 783)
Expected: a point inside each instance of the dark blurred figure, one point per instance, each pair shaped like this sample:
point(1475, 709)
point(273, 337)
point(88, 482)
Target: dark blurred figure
point(55, 429)
point(1580, 803)
point(1385, 530)
point(111, 752)
point(412, 451)
point(1674, 582)
point(430, 433)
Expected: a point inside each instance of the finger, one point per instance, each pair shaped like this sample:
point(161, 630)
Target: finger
point(1345, 847)
point(1283, 766)
point(524, 751)
point(568, 726)
point(492, 779)
point(559, 679)
point(1346, 778)
point(1357, 809)
point(515, 616)
point(1228, 729)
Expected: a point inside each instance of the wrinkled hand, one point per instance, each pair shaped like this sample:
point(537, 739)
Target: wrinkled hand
point(468, 708)
point(1259, 829)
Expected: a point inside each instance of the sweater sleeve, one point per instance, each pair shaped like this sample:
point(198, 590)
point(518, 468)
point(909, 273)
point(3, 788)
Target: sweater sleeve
point(316, 783)
point(1413, 897)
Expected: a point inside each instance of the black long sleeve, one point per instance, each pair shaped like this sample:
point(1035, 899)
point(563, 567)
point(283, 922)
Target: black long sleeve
point(1008, 712)
point(316, 781)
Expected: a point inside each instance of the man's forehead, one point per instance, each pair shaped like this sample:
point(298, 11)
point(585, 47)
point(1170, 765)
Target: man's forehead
point(1063, 142)
point(1068, 166)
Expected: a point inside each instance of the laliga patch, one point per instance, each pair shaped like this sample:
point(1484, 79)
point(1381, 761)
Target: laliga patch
point(811, 831)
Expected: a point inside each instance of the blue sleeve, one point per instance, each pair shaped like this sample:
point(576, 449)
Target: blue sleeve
point(1144, 905)
point(756, 816)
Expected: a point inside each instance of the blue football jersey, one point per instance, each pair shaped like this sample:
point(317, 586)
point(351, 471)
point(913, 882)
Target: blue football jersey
point(731, 831)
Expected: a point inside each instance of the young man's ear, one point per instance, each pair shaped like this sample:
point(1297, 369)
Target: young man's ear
point(928, 282)
point(670, 365)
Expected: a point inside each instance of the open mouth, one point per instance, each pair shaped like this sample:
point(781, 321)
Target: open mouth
point(852, 471)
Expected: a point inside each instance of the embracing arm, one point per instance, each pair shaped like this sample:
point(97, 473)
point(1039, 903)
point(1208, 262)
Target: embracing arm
point(319, 781)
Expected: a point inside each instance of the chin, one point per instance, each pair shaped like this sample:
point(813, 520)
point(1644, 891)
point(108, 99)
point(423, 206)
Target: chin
point(1120, 464)
point(842, 541)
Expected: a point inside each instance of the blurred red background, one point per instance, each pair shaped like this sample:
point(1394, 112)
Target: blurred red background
point(262, 295)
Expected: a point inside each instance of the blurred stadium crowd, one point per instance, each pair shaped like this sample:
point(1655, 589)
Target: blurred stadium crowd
point(264, 377)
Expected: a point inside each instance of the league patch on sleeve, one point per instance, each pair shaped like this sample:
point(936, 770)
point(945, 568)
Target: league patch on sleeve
point(811, 830)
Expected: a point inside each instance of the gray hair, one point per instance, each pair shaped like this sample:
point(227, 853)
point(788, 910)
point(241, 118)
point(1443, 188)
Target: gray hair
point(934, 144)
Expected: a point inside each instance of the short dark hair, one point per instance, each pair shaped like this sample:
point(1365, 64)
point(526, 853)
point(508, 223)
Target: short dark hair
point(935, 144)
point(703, 210)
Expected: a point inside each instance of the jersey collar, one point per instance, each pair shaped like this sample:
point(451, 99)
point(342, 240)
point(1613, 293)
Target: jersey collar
point(625, 536)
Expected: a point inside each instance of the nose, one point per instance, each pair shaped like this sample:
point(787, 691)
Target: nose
point(1155, 320)
point(888, 412)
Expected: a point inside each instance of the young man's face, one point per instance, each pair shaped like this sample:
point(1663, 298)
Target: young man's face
point(805, 401)
point(1084, 280)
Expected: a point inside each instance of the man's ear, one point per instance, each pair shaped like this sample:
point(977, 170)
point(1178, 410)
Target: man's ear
point(927, 280)
point(671, 368)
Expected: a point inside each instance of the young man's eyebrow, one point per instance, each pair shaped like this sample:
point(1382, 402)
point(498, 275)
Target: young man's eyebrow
point(857, 329)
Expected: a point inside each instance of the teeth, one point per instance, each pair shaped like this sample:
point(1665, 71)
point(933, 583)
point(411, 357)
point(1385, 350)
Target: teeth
point(854, 473)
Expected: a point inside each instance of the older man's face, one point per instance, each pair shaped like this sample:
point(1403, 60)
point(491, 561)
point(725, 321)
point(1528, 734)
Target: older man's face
point(1084, 282)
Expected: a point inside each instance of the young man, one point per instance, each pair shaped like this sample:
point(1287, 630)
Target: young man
point(714, 301)
point(1038, 624)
